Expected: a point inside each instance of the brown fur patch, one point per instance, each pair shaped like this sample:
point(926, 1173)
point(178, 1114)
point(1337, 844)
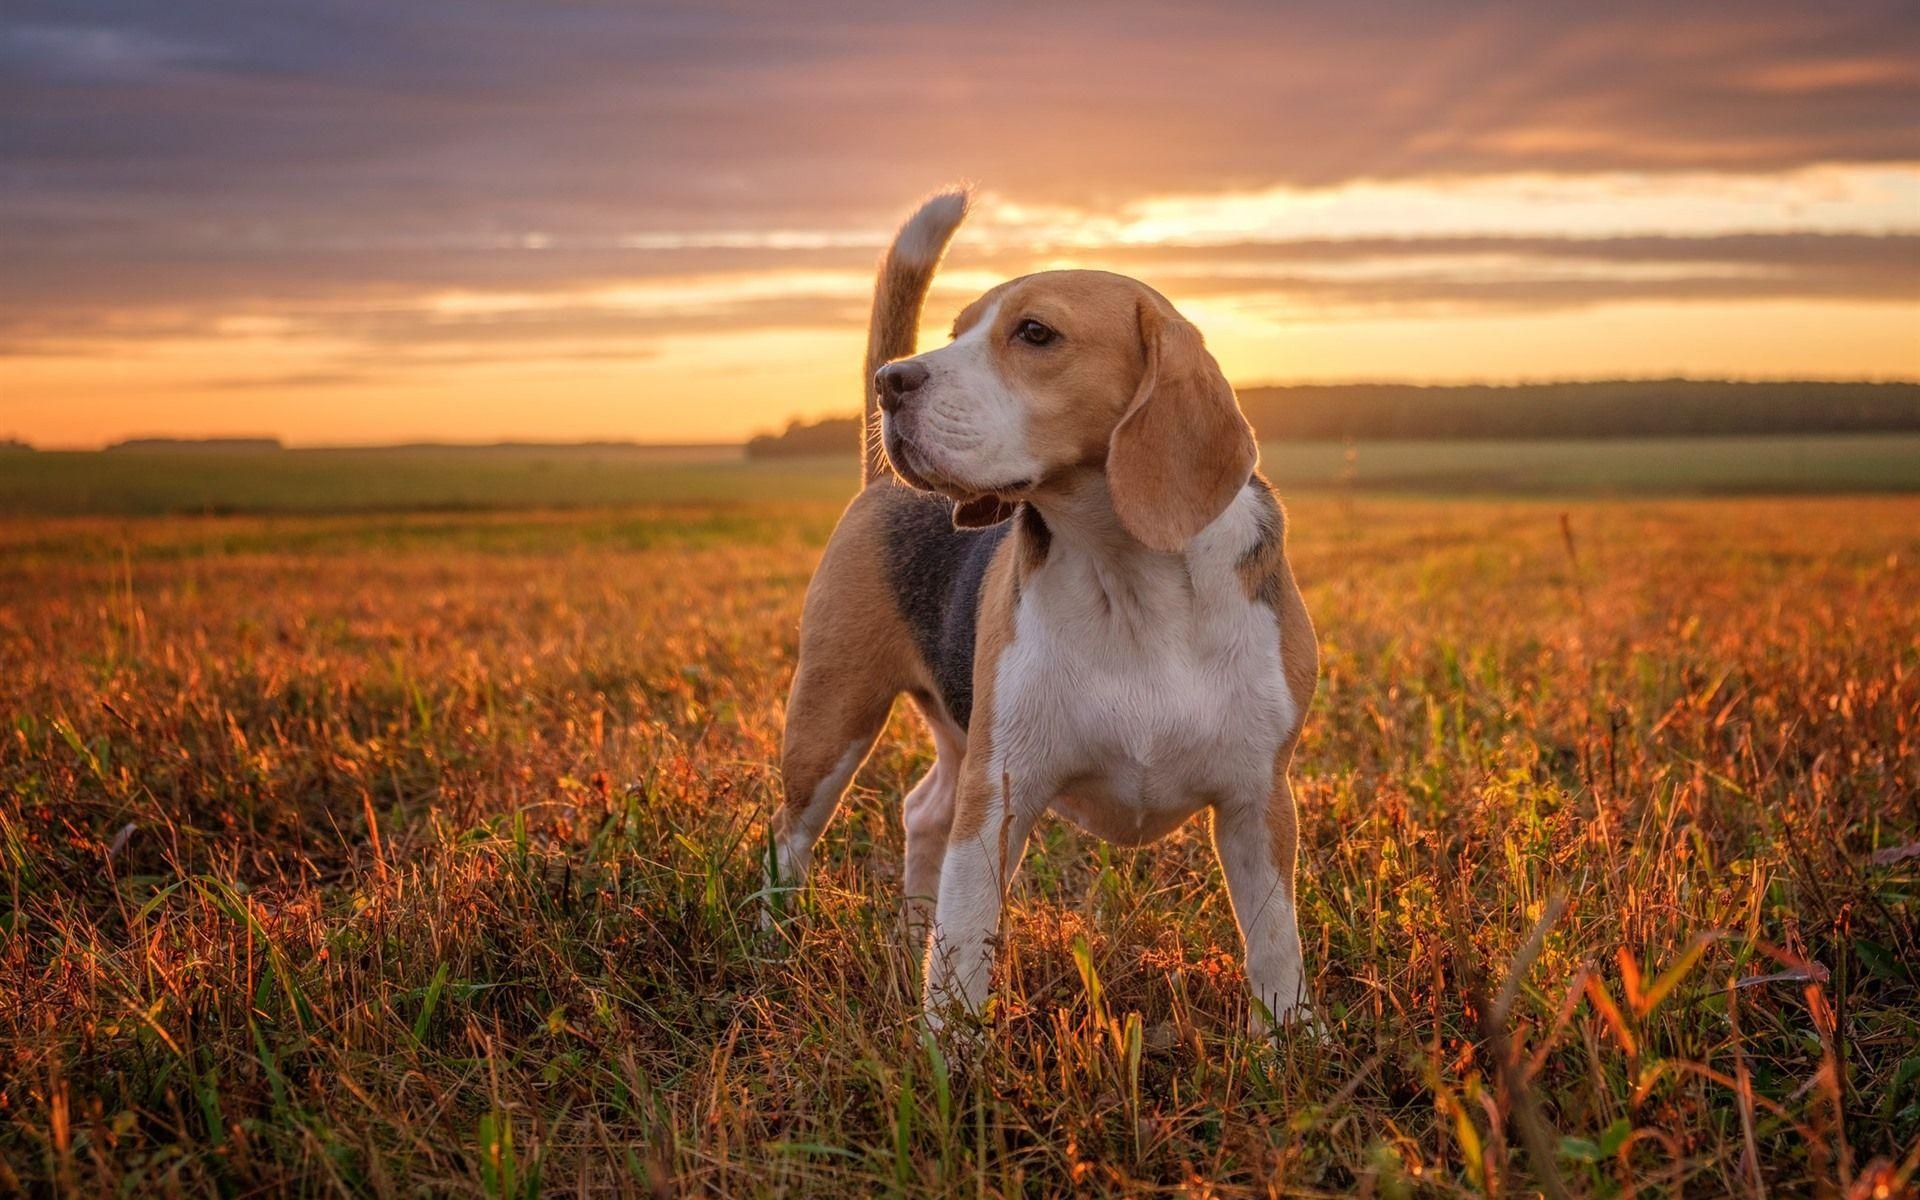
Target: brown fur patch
point(1183, 450)
point(1268, 578)
point(1283, 828)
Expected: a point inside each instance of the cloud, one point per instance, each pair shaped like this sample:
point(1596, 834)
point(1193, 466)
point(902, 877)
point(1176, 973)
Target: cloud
point(606, 305)
point(63, 55)
point(594, 180)
point(287, 123)
point(290, 381)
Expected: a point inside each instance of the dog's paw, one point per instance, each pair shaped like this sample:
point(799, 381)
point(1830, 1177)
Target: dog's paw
point(1294, 1025)
point(914, 924)
point(776, 906)
point(959, 1036)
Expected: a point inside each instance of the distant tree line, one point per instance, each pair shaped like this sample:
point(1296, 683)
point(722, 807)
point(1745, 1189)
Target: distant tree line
point(802, 439)
point(248, 444)
point(1607, 409)
point(1617, 408)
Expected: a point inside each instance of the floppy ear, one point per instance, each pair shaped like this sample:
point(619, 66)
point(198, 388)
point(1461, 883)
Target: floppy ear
point(982, 511)
point(1182, 451)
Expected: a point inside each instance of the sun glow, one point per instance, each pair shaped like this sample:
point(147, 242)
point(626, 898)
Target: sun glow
point(1521, 276)
point(1879, 199)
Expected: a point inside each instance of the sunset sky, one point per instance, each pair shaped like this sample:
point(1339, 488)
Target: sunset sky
point(472, 221)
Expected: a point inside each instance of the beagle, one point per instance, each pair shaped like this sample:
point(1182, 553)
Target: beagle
point(1062, 552)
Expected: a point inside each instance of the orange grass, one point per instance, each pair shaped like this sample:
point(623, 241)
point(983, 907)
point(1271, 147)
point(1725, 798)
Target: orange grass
point(416, 856)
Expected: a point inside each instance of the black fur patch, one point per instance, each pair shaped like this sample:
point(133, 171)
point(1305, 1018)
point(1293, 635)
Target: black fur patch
point(936, 572)
point(1039, 539)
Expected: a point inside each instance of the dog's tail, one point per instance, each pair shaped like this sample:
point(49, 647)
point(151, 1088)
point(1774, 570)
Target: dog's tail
point(906, 273)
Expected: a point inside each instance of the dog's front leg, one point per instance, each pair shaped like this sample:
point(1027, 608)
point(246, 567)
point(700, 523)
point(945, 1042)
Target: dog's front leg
point(989, 835)
point(928, 819)
point(1256, 838)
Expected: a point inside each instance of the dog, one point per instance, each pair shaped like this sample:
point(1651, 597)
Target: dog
point(1063, 552)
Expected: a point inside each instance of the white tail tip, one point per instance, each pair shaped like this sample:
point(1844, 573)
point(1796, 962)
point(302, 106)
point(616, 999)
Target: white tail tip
point(924, 237)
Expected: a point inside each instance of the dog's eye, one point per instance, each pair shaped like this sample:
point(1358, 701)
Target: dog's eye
point(1033, 333)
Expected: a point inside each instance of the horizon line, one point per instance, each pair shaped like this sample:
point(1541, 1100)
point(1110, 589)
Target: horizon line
point(427, 442)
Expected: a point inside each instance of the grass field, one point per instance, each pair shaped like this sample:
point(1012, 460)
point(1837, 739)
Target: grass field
point(414, 855)
point(184, 481)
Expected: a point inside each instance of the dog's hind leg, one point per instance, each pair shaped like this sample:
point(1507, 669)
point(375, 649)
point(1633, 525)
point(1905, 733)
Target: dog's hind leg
point(833, 718)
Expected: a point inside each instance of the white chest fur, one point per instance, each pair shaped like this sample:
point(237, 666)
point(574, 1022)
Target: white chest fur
point(1140, 687)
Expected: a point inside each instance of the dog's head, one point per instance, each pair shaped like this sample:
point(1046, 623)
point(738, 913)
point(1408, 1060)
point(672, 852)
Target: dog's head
point(1063, 372)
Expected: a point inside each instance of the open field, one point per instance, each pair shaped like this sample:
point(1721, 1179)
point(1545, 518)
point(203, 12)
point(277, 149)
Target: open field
point(230, 481)
point(415, 855)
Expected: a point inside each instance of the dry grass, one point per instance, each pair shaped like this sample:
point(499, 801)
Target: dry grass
point(415, 856)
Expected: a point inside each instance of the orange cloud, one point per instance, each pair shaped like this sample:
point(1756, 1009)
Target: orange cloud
point(659, 220)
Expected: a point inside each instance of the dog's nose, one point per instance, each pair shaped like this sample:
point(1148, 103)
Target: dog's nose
point(896, 381)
